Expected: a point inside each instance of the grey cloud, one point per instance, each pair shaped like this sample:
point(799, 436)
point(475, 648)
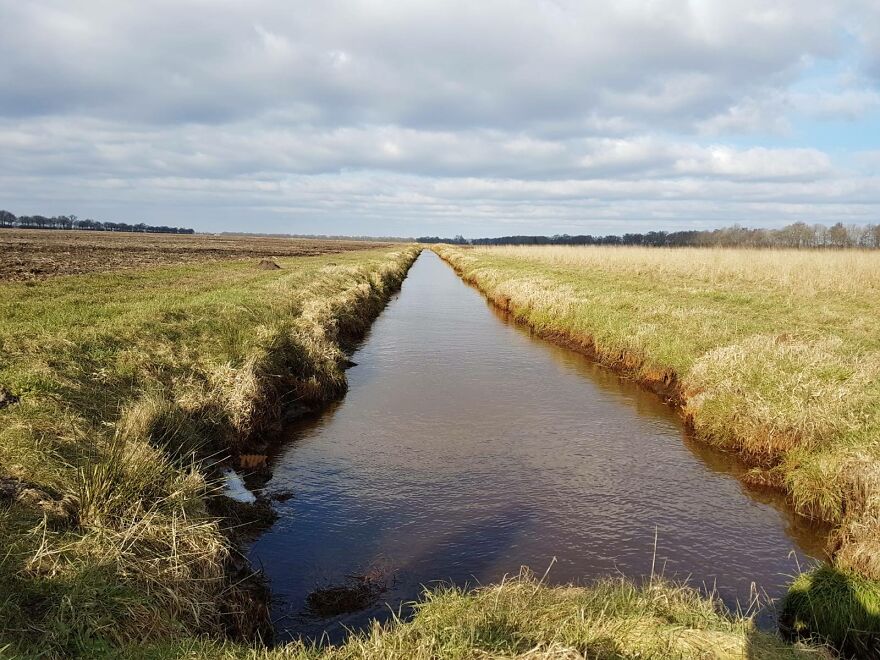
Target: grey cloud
point(97, 148)
point(418, 64)
point(399, 116)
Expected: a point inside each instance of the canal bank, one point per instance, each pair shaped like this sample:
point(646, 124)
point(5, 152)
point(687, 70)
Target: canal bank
point(465, 449)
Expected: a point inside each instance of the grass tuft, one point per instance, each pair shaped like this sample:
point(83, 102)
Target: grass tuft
point(836, 607)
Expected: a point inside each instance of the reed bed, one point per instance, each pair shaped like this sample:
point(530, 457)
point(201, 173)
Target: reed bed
point(771, 353)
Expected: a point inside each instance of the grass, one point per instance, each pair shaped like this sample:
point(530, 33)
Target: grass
point(774, 354)
point(522, 618)
point(841, 604)
point(131, 387)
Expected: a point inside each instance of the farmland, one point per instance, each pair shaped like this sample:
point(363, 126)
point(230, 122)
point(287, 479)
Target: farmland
point(29, 254)
point(135, 367)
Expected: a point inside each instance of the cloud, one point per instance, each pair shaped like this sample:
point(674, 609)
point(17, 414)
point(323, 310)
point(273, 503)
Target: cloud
point(418, 64)
point(96, 148)
point(286, 109)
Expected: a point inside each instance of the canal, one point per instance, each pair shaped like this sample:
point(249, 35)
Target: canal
point(466, 448)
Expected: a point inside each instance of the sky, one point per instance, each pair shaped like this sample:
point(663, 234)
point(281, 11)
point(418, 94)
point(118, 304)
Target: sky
point(412, 118)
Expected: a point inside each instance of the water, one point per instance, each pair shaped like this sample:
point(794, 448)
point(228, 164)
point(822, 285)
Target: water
point(465, 448)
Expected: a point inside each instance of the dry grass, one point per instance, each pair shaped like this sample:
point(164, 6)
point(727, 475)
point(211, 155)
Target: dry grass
point(775, 354)
point(798, 273)
point(131, 386)
point(521, 618)
point(28, 254)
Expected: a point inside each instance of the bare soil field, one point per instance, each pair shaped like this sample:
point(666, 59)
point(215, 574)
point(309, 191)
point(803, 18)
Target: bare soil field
point(28, 254)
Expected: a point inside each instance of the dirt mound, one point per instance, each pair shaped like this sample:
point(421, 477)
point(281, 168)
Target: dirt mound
point(268, 264)
point(9, 488)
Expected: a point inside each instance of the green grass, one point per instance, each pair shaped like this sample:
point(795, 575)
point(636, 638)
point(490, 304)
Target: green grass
point(844, 606)
point(774, 354)
point(131, 386)
point(522, 618)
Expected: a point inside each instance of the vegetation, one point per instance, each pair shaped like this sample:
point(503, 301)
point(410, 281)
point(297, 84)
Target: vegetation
point(8, 219)
point(522, 618)
point(119, 393)
point(122, 393)
point(775, 354)
point(843, 605)
point(797, 235)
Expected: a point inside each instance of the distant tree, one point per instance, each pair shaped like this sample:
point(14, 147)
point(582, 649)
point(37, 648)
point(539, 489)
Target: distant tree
point(8, 219)
point(63, 222)
point(797, 235)
point(857, 236)
point(838, 236)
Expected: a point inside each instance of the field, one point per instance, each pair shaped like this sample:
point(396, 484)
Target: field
point(773, 354)
point(119, 395)
point(123, 392)
point(29, 254)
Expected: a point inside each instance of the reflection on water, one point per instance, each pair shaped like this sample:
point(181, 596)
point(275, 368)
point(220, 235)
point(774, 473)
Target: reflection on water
point(465, 449)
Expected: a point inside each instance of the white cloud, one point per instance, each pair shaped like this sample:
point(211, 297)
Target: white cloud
point(848, 104)
point(414, 63)
point(453, 110)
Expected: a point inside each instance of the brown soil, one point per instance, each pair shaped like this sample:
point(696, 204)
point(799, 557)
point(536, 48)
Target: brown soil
point(28, 254)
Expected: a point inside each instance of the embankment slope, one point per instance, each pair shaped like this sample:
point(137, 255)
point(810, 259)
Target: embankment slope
point(121, 392)
point(773, 354)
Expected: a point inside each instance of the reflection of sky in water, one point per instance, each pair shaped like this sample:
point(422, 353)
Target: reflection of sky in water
point(465, 449)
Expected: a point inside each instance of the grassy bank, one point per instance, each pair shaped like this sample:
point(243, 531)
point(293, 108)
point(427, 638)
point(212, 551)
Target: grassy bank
point(774, 354)
point(522, 618)
point(117, 394)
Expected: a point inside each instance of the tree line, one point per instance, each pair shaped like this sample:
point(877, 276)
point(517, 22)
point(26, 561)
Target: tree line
point(8, 220)
point(797, 235)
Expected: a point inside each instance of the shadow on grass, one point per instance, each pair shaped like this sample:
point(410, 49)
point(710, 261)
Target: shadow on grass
point(836, 607)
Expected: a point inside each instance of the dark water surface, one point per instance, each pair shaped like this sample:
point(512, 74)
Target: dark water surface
point(465, 449)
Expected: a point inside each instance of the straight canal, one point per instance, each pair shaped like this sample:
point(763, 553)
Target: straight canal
point(465, 449)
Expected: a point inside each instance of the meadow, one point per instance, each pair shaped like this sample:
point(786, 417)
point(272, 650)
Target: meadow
point(124, 389)
point(774, 354)
point(120, 393)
